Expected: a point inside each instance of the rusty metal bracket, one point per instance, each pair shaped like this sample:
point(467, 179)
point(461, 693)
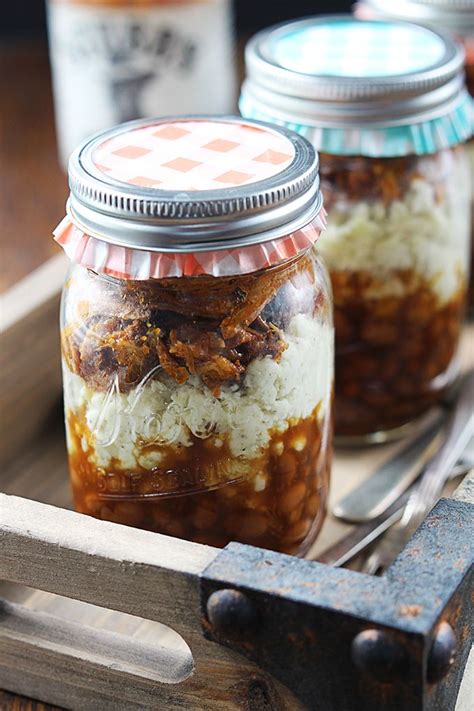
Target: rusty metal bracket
point(342, 640)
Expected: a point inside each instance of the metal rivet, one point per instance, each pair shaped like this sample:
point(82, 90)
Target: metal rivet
point(377, 654)
point(442, 653)
point(231, 613)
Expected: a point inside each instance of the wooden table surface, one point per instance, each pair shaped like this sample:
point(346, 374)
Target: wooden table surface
point(33, 188)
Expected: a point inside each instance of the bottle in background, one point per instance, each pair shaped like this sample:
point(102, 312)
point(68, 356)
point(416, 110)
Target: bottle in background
point(117, 60)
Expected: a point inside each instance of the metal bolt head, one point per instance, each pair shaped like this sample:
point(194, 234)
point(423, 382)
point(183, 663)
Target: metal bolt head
point(231, 613)
point(442, 653)
point(375, 653)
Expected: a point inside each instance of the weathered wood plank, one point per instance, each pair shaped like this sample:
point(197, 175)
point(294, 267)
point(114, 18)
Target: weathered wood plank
point(101, 648)
point(125, 569)
point(112, 566)
point(72, 665)
point(30, 375)
point(117, 668)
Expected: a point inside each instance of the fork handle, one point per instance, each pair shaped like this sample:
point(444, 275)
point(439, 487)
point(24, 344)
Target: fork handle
point(459, 429)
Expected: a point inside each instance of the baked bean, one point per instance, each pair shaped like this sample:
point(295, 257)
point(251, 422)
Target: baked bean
point(227, 492)
point(364, 365)
point(350, 389)
point(387, 371)
point(295, 514)
point(92, 504)
point(420, 310)
point(175, 528)
point(204, 518)
point(386, 308)
point(313, 505)
point(112, 483)
point(277, 449)
point(344, 330)
point(299, 530)
point(298, 443)
point(379, 333)
point(293, 497)
point(378, 398)
point(160, 515)
point(286, 465)
point(254, 525)
point(129, 513)
point(242, 510)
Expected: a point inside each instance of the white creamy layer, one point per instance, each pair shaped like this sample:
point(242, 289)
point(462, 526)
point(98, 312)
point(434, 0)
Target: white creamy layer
point(166, 413)
point(417, 233)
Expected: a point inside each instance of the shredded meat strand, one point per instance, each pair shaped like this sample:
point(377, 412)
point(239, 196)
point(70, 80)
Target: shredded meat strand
point(205, 327)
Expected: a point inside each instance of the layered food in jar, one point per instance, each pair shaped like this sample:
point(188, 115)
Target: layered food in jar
point(386, 106)
point(445, 15)
point(397, 249)
point(201, 406)
point(198, 385)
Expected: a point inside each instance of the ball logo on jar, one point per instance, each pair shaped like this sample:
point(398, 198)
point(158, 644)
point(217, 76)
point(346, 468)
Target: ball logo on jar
point(159, 482)
point(145, 428)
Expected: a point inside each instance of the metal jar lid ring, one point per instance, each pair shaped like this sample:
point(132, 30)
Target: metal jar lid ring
point(193, 184)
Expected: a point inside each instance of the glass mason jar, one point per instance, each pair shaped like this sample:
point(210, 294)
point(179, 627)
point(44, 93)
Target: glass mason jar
point(457, 16)
point(396, 248)
point(396, 185)
point(136, 58)
point(198, 384)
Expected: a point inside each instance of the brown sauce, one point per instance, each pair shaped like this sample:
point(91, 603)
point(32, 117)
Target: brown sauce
point(190, 495)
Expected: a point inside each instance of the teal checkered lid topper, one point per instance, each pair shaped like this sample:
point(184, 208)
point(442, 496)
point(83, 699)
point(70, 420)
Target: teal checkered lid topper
point(344, 48)
point(380, 88)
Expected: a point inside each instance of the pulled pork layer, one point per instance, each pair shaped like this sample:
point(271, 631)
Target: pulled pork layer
point(358, 178)
point(204, 326)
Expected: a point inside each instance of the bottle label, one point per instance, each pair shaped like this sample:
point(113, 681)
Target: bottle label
point(112, 65)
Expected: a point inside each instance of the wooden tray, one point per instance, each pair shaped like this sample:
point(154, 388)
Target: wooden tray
point(90, 630)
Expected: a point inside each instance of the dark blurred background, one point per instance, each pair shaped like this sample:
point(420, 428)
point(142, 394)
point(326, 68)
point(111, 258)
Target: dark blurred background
point(28, 16)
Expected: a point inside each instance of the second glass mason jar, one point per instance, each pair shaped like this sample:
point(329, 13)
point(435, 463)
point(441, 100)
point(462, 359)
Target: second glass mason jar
point(457, 16)
point(385, 104)
point(197, 333)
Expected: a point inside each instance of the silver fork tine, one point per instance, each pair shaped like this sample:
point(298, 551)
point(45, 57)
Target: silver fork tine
point(459, 430)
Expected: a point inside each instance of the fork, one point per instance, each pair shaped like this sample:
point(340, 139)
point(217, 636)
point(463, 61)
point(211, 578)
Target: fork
point(459, 430)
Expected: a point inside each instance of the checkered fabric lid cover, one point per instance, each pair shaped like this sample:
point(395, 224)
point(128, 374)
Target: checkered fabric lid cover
point(346, 48)
point(182, 157)
point(352, 87)
point(194, 155)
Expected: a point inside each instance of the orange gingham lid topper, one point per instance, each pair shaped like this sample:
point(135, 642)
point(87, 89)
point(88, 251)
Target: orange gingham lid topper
point(188, 196)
